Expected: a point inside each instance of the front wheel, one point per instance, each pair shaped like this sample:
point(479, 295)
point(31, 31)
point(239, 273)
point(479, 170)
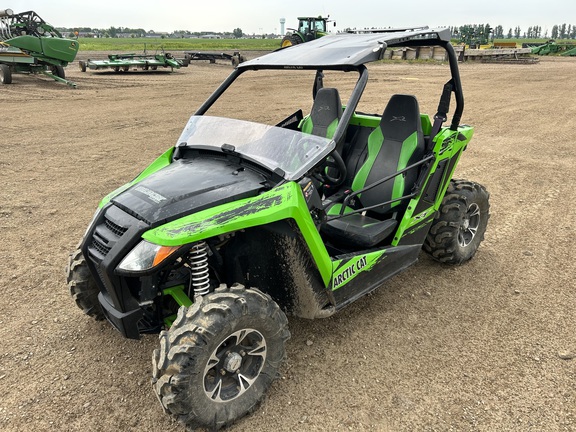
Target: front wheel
point(220, 356)
point(82, 286)
point(459, 227)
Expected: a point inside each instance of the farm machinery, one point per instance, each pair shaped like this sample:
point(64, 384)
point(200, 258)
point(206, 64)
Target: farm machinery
point(125, 62)
point(309, 28)
point(145, 61)
point(235, 59)
point(554, 48)
point(28, 44)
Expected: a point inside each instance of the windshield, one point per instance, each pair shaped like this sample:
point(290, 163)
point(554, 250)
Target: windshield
point(293, 152)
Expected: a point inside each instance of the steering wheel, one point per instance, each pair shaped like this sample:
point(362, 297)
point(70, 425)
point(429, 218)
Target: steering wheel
point(334, 162)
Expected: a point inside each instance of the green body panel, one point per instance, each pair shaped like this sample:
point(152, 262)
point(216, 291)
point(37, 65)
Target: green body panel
point(345, 271)
point(51, 50)
point(447, 146)
point(283, 202)
point(426, 124)
point(162, 161)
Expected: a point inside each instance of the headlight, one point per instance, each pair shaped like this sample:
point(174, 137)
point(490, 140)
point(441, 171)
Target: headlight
point(145, 256)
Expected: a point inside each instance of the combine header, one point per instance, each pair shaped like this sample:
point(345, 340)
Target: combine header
point(28, 44)
point(125, 62)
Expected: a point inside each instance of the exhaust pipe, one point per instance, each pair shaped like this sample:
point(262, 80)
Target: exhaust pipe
point(6, 13)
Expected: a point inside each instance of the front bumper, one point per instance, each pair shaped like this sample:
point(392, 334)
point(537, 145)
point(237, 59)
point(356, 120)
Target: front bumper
point(125, 322)
point(112, 234)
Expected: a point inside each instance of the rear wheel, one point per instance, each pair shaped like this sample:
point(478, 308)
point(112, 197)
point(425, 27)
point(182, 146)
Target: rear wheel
point(459, 227)
point(82, 286)
point(82, 66)
point(5, 74)
point(220, 356)
point(290, 40)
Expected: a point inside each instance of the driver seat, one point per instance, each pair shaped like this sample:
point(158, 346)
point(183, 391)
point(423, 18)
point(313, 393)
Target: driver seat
point(325, 114)
point(396, 143)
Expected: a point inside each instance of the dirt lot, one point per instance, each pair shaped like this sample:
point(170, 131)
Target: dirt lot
point(483, 347)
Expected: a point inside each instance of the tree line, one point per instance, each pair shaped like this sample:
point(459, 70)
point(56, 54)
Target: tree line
point(468, 33)
point(484, 33)
point(114, 32)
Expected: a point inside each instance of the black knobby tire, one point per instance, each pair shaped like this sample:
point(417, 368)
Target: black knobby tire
point(82, 286)
point(82, 66)
point(5, 74)
point(460, 224)
point(290, 40)
point(220, 356)
point(58, 71)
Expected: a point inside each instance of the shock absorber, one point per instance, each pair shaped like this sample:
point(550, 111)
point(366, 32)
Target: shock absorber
point(199, 274)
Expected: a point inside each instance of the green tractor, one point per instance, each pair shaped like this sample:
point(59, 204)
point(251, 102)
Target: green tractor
point(28, 44)
point(243, 223)
point(309, 28)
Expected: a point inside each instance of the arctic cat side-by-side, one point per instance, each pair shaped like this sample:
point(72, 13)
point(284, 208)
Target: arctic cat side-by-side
point(241, 224)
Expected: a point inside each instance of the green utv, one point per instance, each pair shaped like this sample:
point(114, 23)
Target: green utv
point(241, 224)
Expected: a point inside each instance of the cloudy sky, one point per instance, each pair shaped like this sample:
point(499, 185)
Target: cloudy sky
point(256, 16)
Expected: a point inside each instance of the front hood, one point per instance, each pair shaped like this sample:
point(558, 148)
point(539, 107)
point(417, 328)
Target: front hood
point(187, 186)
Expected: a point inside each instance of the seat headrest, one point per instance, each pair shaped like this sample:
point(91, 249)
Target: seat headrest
point(326, 107)
point(401, 117)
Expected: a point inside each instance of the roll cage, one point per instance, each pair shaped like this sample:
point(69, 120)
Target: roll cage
point(350, 52)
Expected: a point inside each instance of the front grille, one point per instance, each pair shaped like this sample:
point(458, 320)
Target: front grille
point(108, 233)
point(116, 229)
point(103, 249)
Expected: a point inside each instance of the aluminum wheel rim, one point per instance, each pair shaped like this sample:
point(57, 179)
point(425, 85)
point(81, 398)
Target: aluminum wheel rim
point(469, 225)
point(234, 365)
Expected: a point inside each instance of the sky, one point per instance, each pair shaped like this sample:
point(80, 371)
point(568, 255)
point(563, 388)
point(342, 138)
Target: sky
point(263, 16)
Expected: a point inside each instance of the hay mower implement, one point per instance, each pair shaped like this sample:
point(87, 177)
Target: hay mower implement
point(28, 44)
point(125, 62)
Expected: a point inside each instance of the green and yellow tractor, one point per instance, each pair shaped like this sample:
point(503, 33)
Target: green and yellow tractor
point(309, 28)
